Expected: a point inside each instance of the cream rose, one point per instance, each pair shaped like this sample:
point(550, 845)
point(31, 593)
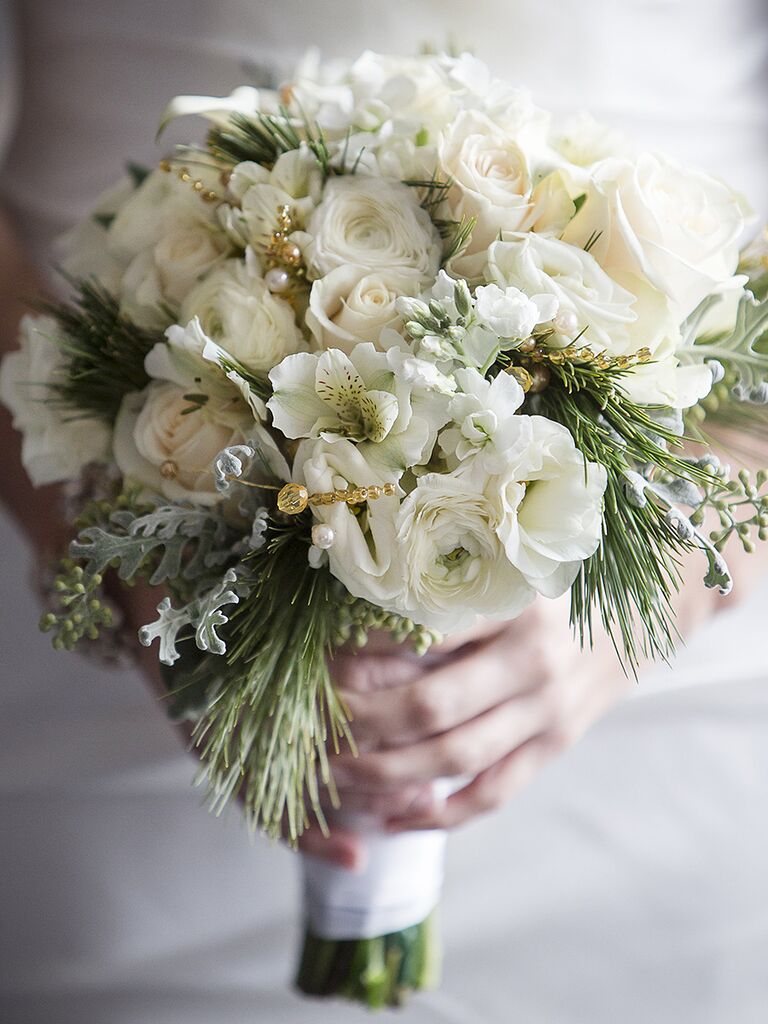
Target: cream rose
point(453, 560)
point(491, 176)
point(677, 227)
point(372, 223)
point(351, 304)
point(56, 443)
point(169, 449)
point(236, 309)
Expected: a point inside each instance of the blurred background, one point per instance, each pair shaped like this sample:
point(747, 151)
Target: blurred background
point(628, 882)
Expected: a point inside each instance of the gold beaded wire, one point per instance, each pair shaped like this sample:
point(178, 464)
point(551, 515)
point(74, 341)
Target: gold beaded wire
point(536, 377)
point(182, 173)
point(294, 498)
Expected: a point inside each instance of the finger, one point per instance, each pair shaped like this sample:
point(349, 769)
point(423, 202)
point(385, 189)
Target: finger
point(386, 803)
point(382, 642)
point(364, 673)
point(487, 792)
point(346, 849)
point(466, 750)
point(442, 699)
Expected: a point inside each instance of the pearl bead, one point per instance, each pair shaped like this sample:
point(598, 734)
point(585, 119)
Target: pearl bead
point(277, 279)
point(567, 323)
point(323, 536)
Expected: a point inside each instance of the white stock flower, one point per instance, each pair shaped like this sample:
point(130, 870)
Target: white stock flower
point(490, 175)
point(677, 227)
point(364, 555)
point(56, 443)
point(452, 558)
point(352, 304)
point(168, 445)
point(510, 313)
point(361, 397)
point(372, 223)
point(236, 309)
point(484, 421)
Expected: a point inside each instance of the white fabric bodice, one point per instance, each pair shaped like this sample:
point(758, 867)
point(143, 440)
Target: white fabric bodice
point(628, 882)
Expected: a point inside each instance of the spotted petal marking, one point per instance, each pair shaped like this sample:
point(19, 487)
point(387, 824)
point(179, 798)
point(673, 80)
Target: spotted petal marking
point(379, 411)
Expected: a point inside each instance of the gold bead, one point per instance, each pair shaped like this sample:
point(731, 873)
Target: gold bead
point(528, 345)
point(290, 253)
point(165, 165)
point(169, 470)
point(540, 378)
point(292, 499)
point(389, 490)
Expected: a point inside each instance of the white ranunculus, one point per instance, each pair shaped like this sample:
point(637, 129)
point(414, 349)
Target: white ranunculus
point(56, 443)
point(372, 223)
point(548, 504)
point(364, 554)
point(510, 313)
point(453, 560)
point(351, 304)
point(168, 445)
point(677, 227)
point(540, 265)
point(236, 309)
point(490, 175)
point(362, 396)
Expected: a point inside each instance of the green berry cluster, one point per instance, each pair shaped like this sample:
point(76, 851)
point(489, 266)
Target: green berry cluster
point(82, 610)
point(741, 506)
point(357, 617)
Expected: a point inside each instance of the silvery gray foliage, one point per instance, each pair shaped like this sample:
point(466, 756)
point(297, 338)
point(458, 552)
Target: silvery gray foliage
point(229, 465)
point(736, 351)
point(190, 541)
point(203, 614)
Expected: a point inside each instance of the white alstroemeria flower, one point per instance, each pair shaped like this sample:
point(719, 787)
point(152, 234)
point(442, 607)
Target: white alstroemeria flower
point(547, 503)
point(510, 313)
point(375, 224)
point(364, 555)
point(452, 558)
point(352, 304)
point(653, 218)
point(485, 424)
point(359, 397)
point(236, 309)
point(56, 443)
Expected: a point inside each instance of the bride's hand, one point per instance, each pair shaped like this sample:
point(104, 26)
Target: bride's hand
point(494, 706)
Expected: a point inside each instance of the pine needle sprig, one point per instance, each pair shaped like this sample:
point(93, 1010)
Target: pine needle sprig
point(104, 352)
point(262, 138)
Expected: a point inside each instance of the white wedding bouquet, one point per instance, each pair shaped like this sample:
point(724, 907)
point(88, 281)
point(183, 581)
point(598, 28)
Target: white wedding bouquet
point(390, 350)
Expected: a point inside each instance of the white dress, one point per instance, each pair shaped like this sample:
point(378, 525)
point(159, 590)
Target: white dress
point(628, 883)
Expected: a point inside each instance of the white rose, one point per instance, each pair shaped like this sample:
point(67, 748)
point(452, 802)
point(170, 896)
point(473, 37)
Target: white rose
point(57, 443)
point(375, 224)
point(548, 505)
point(677, 227)
point(236, 309)
point(453, 560)
point(510, 313)
point(539, 265)
point(351, 304)
point(166, 443)
point(364, 554)
point(492, 180)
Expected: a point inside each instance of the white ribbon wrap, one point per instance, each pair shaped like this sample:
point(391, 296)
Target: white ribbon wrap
point(398, 887)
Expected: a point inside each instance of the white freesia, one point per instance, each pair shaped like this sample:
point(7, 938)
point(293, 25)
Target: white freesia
point(490, 174)
point(360, 397)
point(236, 309)
point(352, 304)
point(452, 558)
point(375, 224)
point(677, 227)
point(364, 555)
point(56, 443)
point(510, 313)
point(168, 445)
